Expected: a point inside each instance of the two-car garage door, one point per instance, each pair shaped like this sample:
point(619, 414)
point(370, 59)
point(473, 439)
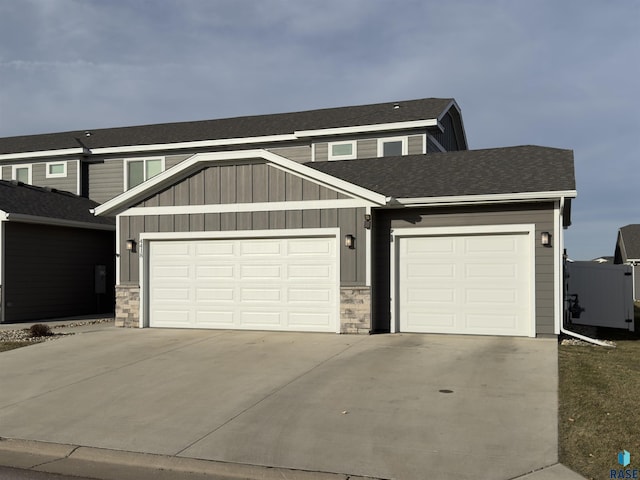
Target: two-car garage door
point(258, 284)
point(466, 284)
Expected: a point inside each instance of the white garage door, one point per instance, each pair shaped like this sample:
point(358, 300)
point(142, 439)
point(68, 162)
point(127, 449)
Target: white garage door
point(469, 284)
point(251, 284)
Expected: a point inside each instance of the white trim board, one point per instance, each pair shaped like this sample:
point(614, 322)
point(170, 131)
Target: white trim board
point(196, 161)
point(380, 127)
point(493, 197)
point(246, 207)
point(529, 229)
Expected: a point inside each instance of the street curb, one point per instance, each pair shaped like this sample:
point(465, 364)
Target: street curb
point(106, 464)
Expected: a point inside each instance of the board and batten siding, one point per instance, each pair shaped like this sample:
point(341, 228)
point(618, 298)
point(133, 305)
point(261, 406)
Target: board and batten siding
point(106, 178)
point(68, 183)
point(50, 271)
point(349, 220)
point(540, 214)
point(246, 183)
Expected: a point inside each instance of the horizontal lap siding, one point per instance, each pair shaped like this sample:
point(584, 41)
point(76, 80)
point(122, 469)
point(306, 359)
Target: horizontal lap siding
point(539, 214)
point(49, 271)
point(69, 183)
point(300, 154)
point(368, 147)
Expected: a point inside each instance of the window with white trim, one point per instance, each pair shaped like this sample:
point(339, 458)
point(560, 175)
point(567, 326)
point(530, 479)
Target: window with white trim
point(392, 146)
point(56, 169)
point(21, 173)
point(138, 170)
point(342, 150)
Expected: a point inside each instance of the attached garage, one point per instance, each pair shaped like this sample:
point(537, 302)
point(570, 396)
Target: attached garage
point(272, 283)
point(466, 283)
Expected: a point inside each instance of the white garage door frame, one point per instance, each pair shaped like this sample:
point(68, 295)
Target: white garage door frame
point(147, 237)
point(396, 235)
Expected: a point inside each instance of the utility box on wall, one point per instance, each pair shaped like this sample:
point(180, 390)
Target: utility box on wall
point(600, 294)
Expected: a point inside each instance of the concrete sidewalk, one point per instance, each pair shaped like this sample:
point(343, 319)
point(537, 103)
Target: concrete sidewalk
point(294, 404)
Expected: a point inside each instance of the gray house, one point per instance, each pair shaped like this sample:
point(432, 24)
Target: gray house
point(56, 259)
point(628, 252)
point(372, 218)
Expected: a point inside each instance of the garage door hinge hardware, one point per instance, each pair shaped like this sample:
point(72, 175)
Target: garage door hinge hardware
point(628, 320)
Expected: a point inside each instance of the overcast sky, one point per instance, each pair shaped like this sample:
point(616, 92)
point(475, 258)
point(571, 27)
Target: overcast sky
point(558, 73)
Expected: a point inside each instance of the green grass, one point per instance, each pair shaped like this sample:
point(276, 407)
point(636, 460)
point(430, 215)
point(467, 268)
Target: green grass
point(599, 407)
point(4, 346)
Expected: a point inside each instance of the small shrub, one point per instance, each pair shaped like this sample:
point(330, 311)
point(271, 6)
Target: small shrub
point(40, 330)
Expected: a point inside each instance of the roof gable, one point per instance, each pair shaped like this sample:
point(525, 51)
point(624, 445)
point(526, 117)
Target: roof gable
point(630, 236)
point(494, 171)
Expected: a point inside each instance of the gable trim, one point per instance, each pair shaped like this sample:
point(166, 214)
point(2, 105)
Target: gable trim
point(246, 207)
point(196, 161)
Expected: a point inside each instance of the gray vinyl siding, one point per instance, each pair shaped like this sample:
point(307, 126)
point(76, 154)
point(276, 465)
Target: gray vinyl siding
point(539, 214)
point(349, 220)
point(636, 283)
point(301, 153)
point(240, 183)
point(49, 271)
point(368, 147)
point(106, 178)
point(431, 146)
point(68, 183)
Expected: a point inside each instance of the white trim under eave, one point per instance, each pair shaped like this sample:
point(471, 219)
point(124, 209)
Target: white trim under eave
point(44, 153)
point(56, 222)
point(246, 207)
point(191, 164)
point(380, 127)
point(195, 144)
point(489, 198)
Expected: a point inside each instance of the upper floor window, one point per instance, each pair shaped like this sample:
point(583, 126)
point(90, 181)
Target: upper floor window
point(342, 150)
point(392, 146)
point(21, 173)
point(56, 169)
point(138, 170)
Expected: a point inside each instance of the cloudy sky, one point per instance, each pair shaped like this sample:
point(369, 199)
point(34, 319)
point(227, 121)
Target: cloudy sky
point(559, 73)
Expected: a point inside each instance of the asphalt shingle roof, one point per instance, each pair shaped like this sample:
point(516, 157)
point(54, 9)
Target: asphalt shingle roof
point(468, 172)
point(238, 127)
point(19, 198)
point(631, 238)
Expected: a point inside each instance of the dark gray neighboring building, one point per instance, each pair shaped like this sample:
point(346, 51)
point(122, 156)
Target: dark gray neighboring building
point(57, 259)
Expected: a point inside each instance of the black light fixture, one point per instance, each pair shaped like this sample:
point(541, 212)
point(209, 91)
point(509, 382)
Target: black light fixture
point(350, 241)
point(131, 245)
point(545, 239)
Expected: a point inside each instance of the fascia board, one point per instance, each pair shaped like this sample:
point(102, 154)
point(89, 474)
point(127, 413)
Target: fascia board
point(58, 222)
point(195, 144)
point(3, 216)
point(498, 197)
point(380, 127)
point(193, 162)
point(43, 153)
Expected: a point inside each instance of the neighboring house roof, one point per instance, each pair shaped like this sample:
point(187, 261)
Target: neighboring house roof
point(462, 173)
point(629, 236)
point(303, 123)
point(27, 203)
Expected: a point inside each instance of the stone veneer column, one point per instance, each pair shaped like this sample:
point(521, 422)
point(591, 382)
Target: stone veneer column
point(127, 306)
point(355, 310)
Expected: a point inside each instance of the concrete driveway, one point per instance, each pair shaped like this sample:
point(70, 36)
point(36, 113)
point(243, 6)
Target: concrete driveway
point(387, 406)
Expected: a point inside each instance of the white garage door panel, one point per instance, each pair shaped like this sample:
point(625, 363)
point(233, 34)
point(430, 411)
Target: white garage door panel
point(272, 284)
point(474, 284)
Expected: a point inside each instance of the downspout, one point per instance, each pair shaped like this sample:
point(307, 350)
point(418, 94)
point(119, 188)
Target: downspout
point(560, 230)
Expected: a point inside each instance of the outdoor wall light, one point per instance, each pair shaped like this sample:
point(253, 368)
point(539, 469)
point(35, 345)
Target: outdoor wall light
point(131, 245)
point(545, 239)
point(350, 241)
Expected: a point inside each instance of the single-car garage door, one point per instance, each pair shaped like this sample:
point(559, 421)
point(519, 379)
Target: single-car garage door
point(468, 284)
point(251, 284)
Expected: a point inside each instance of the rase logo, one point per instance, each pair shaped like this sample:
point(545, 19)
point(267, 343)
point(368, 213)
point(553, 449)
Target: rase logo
point(624, 459)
